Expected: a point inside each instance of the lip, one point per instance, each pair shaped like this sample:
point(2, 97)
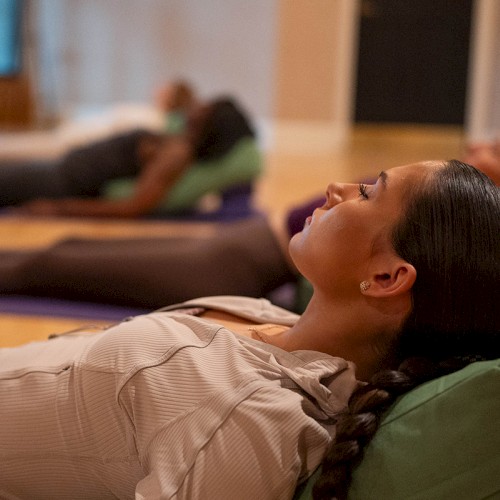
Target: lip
point(308, 220)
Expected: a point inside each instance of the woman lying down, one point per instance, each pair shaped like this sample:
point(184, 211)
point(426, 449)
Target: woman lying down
point(232, 397)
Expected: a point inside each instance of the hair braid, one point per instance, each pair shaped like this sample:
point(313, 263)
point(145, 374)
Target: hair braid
point(358, 425)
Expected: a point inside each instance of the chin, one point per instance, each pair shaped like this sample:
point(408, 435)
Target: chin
point(295, 244)
point(299, 252)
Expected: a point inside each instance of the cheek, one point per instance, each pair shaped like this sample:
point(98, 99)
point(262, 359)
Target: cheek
point(335, 246)
point(320, 245)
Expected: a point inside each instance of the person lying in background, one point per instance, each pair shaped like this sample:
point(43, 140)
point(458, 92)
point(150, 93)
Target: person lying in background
point(224, 395)
point(141, 173)
point(245, 257)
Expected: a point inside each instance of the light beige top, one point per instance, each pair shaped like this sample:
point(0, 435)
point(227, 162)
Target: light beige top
point(166, 405)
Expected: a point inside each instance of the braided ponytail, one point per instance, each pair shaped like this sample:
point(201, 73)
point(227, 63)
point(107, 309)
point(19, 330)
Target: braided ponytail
point(359, 424)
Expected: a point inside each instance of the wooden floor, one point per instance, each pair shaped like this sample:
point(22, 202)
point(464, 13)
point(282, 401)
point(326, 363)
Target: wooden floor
point(289, 179)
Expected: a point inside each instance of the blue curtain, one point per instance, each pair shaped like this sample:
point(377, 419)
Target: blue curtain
point(10, 37)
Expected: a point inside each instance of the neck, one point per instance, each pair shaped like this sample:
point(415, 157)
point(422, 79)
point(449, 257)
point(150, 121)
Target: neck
point(348, 329)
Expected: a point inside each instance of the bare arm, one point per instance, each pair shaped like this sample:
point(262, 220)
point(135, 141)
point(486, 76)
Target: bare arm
point(155, 180)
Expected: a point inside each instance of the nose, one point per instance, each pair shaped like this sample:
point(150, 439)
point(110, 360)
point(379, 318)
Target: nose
point(332, 195)
point(337, 192)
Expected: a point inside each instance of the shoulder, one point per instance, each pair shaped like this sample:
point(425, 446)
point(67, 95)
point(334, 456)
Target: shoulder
point(258, 310)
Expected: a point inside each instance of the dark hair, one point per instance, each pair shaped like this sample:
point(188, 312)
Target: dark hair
point(450, 232)
point(224, 125)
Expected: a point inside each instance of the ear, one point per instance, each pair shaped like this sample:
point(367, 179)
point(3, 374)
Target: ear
point(397, 278)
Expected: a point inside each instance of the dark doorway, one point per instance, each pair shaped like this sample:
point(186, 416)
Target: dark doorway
point(412, 62)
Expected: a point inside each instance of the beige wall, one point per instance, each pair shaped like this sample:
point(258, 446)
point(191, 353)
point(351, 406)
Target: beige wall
point(286, 60)
point(290, 62)
point(306, 59)
point(96, 52)
point(315, 62)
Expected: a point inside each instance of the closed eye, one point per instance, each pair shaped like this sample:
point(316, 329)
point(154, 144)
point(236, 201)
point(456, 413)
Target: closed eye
point(362, 191)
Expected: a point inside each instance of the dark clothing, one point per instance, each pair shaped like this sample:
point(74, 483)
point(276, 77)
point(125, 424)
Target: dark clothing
point(241, 258)
point(88, 168)
point(82, 172)
point(22, 181)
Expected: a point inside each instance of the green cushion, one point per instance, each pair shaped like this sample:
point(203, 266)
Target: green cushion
point(242, 164)
point(440, 441)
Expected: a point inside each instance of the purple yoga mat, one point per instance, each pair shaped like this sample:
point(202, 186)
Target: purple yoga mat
point(44, 306)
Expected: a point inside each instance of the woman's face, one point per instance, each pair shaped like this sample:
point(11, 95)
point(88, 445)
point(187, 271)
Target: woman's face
point(344, 236)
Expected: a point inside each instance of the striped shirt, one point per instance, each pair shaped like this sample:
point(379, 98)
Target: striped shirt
point(167, 405)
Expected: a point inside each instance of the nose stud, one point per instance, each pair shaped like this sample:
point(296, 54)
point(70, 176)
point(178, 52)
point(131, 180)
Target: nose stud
point(364, 285)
